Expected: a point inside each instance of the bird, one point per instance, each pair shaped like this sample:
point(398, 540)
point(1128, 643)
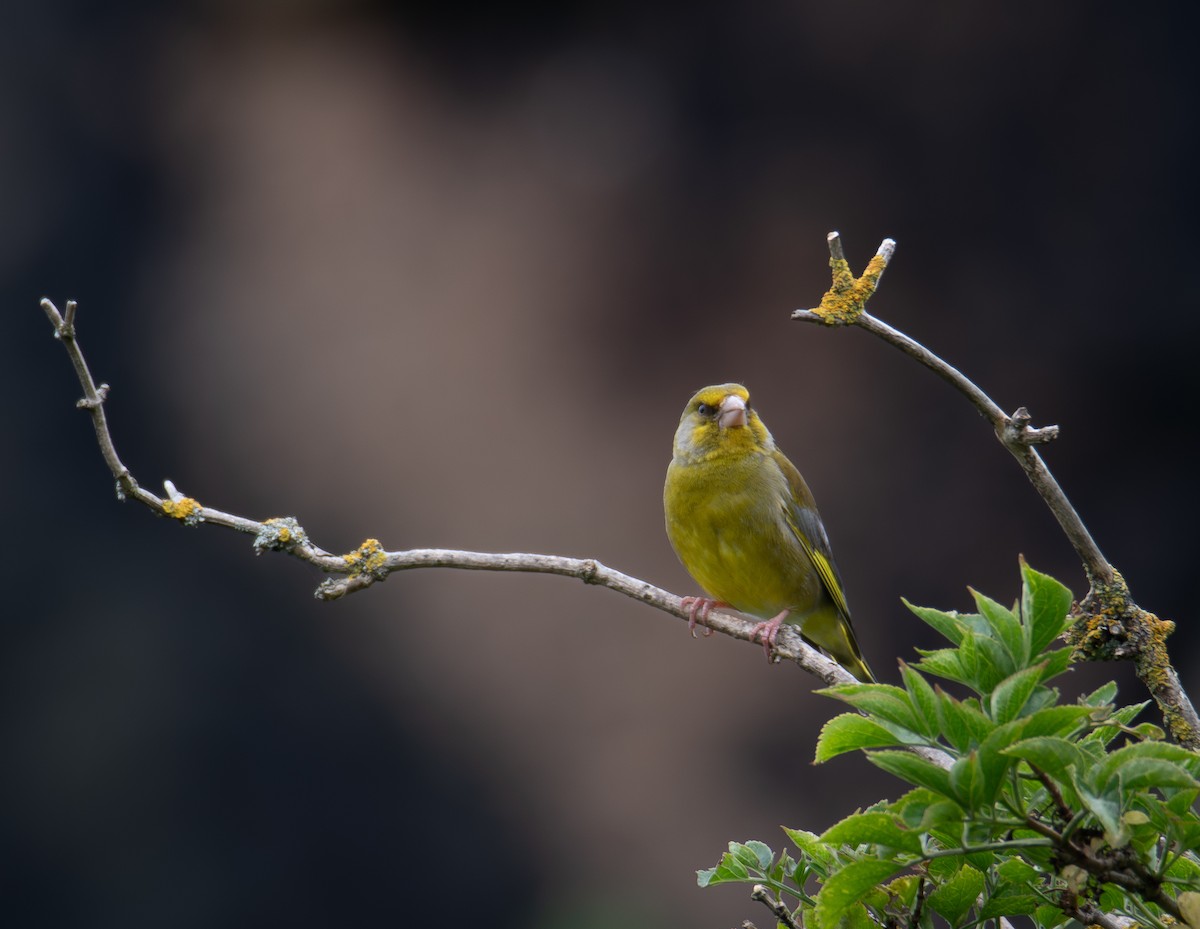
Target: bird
point(745, 526)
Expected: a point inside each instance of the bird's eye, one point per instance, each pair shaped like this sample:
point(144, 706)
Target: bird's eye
point(705, 409)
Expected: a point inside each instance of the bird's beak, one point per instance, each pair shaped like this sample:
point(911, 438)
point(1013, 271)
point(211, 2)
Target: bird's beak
point(732, 412)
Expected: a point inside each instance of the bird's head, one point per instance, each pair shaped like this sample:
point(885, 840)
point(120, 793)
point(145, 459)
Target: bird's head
point(719, 421)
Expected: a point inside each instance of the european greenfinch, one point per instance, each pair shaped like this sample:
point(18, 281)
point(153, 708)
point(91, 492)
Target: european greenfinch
point(744, 524)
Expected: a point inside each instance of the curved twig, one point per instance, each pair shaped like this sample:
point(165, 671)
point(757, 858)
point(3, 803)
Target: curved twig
point(1108, 623)
point(369, 563)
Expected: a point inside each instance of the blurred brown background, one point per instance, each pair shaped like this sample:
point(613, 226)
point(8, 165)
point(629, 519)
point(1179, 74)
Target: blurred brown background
point(445, 276)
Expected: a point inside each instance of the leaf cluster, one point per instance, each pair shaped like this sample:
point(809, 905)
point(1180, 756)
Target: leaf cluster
point(1049, 810)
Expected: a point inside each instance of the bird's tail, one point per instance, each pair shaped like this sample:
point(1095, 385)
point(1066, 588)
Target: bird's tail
point(829, 630)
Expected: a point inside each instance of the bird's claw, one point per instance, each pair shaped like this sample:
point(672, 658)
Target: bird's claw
point(698, 609)
point(767, 631)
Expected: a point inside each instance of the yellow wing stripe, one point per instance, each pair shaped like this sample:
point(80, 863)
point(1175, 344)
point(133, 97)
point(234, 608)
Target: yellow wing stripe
point(824, 568)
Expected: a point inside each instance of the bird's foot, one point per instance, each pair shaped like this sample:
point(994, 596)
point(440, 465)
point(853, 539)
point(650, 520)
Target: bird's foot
point(767, 631)
point(698, 609)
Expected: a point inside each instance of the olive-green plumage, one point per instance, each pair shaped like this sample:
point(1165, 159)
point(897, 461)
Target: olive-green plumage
point(744, 524)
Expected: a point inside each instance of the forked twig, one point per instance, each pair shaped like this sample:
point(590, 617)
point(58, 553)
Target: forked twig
point(1108, 623)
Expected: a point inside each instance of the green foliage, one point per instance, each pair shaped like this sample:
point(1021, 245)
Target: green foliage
point(1019, 805)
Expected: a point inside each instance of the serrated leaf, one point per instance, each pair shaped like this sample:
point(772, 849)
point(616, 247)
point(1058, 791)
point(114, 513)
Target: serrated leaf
point(762, 852)
point(885, 701)
point(1103, 735)
point(728, 869)
point(1044, 605)
point(915, 770)
point(1017, 871)
point(922, 698)
point(903, 889)
point(1101, 696)
point(1153, 773)
point(967, 782)
point(993, 764)
point(1011, 694)
point(954, 898)
point(1105, 805)
point(945, 663)
point(952, 721)
point(1009, 900)
point(1005, 628)
point(1048, 915)
point(1056, 720)
point(850, 732)
point(848, 886)
point(1052, 754)
point(749, 854)
point(1124, 758)
point(992, 664)
point(949, 625)
point(810, 845)
point(873, 829)
point(1055, 663)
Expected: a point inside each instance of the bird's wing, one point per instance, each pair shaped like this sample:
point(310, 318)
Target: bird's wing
point(800, 513)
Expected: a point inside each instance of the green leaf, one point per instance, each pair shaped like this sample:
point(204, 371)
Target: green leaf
point(810, 845)
point(762, 852)
point(1011, 694)
point(945, 663)
point(886, 701)
point(1105, 805)
point(873, 829)
point(729, 869)
point(848, 886)
point(967, 782)
point(1102, 735)
point(923, 699)
point(1015, 870)
point(1101, 696)
point(750, 854)
point(954, 899)
point(850, 732)
point(1005, 628)
point(1055, 663)
point(1009, 899)
point(915, 770)
point(1054, 755)
point(1153, 773)
point(1056, 720)
point(1178, 760)
point(1044, 605)
point(992, 662)
point(951, 721)
point(950, 625)
point(993, 763)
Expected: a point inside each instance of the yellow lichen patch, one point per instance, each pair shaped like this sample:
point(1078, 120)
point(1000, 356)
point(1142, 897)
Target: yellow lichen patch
point(368, 558)
point(1109, 626)
point(845, 301)
point(184, 509)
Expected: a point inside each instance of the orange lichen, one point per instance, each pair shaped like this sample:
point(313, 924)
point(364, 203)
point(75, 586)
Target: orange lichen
point(846, 300)
point(185, 509)
point(368, 558)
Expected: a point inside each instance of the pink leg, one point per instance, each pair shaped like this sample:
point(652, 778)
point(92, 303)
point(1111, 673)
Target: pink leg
point(699, 608)
point(768, 630)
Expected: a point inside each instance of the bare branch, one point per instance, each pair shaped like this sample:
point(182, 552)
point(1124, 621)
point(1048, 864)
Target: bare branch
point(775, 905)
point(369, 563)
point(1014, 431)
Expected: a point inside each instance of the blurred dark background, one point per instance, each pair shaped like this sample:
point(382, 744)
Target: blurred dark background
point(445, 276)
